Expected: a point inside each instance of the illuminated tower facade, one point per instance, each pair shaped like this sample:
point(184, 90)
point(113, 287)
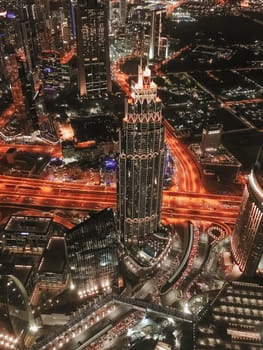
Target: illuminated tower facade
point(141, 162)
point(90, 24)
point(247, 238)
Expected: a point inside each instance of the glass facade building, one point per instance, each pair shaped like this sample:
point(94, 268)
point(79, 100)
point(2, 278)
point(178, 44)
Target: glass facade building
point(141, 162)
point(92, 253)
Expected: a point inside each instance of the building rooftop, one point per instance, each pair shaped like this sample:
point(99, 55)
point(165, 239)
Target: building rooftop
point(28, 224)
point(219, 156)
point(233, 319)
point(54, 256)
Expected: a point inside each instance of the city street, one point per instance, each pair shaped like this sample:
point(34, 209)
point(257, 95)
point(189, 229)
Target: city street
point(27, 193)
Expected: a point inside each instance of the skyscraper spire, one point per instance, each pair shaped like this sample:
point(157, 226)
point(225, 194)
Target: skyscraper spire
point(140, 74)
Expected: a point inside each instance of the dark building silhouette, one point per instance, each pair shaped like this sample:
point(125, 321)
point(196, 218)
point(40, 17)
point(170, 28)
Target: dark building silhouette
point(211, 137)
point(92, 254)
point(52, 269)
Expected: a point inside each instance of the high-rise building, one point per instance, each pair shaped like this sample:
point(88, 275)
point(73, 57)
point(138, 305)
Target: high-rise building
point(247, 237)
point(17, 320)
point(156, 41)
point(91, 19)
point(211, 138)
point(141, 162)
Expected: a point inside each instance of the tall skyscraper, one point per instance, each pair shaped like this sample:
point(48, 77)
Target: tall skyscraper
point(90, 20)
point(247, 237)
point(141, 162)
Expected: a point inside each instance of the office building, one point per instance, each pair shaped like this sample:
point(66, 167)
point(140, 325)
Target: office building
point(90, 22)
point(247, 237)
point(21, 266)
point(232, 320)
point(141, 162)
point(92, 254)
point(211, 138)
point(157, 42)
